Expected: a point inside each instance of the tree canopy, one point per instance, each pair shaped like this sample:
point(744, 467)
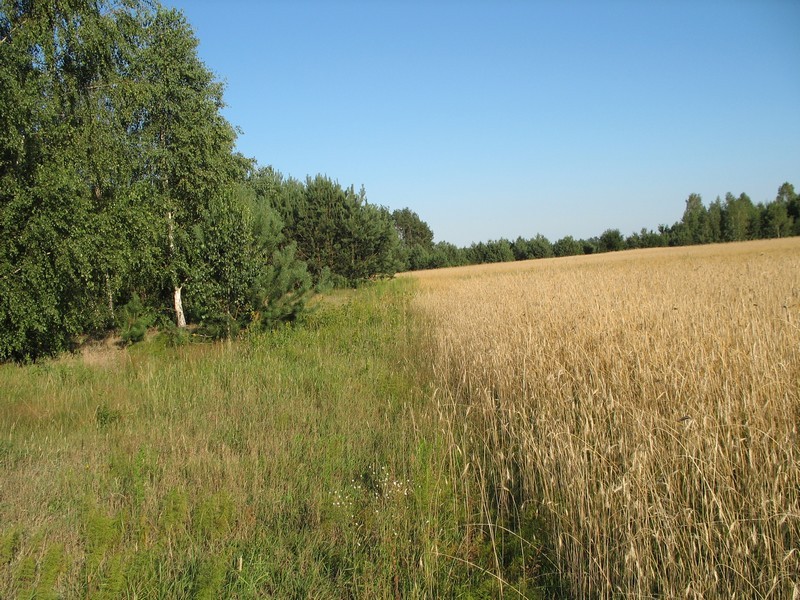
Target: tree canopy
point(119, 183)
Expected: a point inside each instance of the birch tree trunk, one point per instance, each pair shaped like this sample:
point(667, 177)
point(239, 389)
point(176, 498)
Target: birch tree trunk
point(179, 316)
point(109, 294)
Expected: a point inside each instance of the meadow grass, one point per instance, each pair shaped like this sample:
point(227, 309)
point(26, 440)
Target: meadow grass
point(305, 462)
point(641, 407)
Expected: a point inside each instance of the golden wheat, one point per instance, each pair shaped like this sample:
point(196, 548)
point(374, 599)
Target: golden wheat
point(645, 404)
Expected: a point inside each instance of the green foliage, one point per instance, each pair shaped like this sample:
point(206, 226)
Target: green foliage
point(338, 234)
point(646, 239)
point(219, 293)
point(281, 283)
point(9, 545)
point(219, 327)
point(173, 335)
point(111, 581)
point(412, 230)
point(174, 514)
point(210, 578)
point(51, 568)
point(134, 319)
point(445, 254)
point(492, 251)
point(695, 226)
point(739, 218)
point(106, 416)
point(133, 474)
point(537, 247)
point(735, 219)
point(791, 199)
point(715, 221)
point(776, 221)
point(214, 517)
point(62, 252)
point(25, 577)
point(105, 567)
point(118, 179)
point(100, 531)
point(327, 281)
point(282, 288)
point(567, 246)
point(611, 240)
point(415, 238)
point(191, 170)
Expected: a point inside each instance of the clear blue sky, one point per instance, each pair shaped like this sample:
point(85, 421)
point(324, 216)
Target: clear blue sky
point(500, 119)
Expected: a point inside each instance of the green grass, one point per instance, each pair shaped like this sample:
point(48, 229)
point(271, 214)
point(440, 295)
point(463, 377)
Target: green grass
point(306, 462)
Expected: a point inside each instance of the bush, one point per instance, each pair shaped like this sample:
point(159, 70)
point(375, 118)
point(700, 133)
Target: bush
point(173, 335)
point(220, 327)
point(134, 320)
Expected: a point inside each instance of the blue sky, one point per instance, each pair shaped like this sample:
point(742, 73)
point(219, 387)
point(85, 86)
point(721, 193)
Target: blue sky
point(500, 119)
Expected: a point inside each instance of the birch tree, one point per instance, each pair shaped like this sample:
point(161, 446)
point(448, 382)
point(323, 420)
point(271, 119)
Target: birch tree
point(60, 174)
point(187, 147)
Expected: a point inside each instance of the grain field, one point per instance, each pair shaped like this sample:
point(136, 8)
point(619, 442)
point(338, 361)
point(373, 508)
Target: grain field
point(642, 406)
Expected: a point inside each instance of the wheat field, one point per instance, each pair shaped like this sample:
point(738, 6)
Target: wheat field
point(642, 405)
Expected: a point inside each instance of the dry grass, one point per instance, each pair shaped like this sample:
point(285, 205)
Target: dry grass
point(644, 405)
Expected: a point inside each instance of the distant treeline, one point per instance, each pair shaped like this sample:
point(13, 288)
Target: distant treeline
point(730, 220)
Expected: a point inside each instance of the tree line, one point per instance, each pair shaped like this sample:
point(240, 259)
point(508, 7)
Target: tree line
point(736, 218)
point(123, 203)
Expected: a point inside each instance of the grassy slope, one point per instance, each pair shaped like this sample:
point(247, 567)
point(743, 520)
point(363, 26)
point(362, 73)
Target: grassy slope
point(302, 463)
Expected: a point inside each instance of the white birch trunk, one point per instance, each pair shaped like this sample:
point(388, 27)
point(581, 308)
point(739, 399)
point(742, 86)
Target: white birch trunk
point(109, 295)
point(179, 316)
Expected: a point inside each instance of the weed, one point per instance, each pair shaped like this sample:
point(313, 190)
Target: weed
point(50, 569)
point(9, 545)
point(106, 416)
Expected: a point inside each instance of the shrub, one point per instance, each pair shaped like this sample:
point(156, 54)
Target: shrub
point(134, 320)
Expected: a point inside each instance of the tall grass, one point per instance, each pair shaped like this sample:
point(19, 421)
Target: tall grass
point(643, 407)
point(306, 462)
